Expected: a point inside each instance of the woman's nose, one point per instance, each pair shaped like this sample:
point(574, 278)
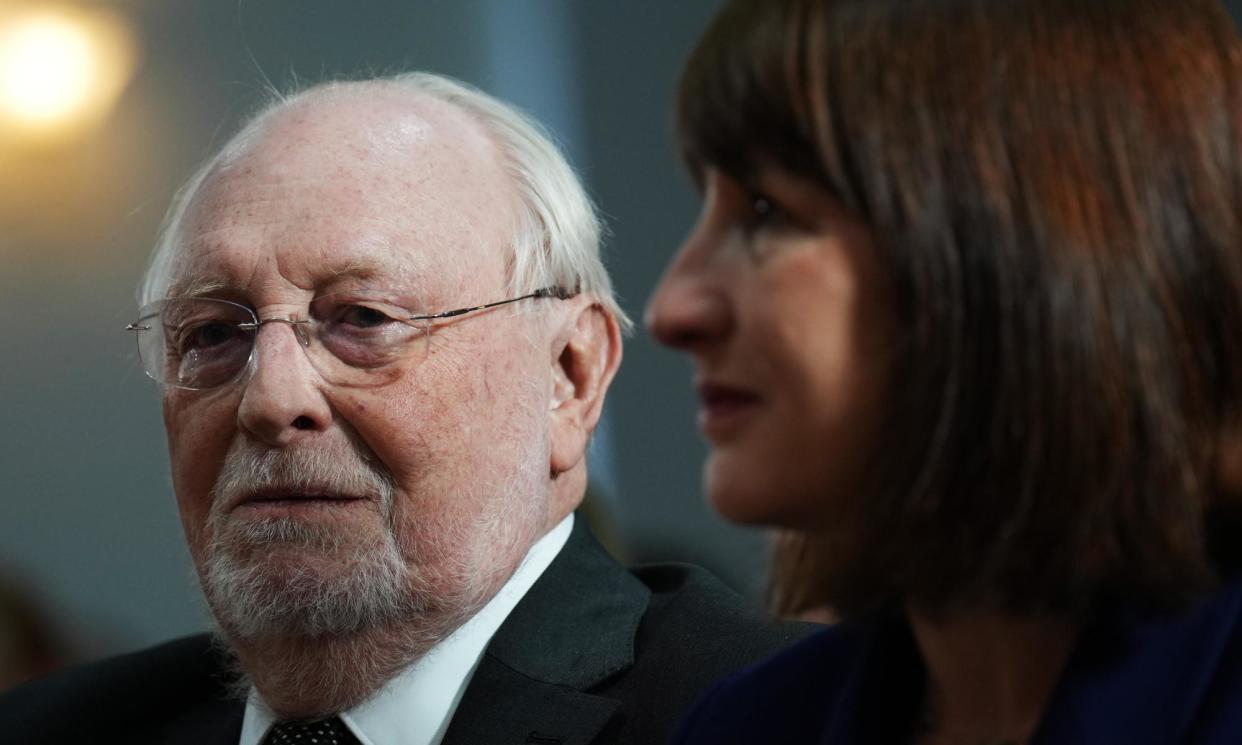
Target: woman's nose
point(690, 306)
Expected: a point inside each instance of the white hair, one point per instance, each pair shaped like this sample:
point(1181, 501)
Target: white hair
point(557, 241)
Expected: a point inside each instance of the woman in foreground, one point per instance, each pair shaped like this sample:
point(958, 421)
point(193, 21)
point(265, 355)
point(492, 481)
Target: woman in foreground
point(965, 305)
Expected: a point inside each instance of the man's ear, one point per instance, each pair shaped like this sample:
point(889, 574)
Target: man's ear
point(585, 356)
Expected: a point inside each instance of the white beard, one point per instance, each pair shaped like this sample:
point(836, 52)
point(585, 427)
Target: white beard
point(251, 598)
point(320, 616)
point(373, 578)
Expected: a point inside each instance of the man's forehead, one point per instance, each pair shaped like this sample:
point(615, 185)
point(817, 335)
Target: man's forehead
point(202, 279)
point(368, 120)
point(367, 143)
point(361, 187)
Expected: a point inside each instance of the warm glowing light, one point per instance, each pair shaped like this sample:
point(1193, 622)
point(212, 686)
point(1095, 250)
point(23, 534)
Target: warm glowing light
point(45, 72)
point(61, 69)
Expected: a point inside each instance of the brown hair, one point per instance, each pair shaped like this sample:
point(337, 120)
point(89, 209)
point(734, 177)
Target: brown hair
point(1054, 188)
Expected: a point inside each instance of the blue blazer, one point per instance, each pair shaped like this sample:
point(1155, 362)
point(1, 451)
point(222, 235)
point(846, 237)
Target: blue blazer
point(1130, 681)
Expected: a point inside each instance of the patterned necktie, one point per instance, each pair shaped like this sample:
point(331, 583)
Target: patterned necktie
point(324, 732)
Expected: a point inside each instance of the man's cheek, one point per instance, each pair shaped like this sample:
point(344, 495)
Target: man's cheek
point(196, 454)
point(194, 509)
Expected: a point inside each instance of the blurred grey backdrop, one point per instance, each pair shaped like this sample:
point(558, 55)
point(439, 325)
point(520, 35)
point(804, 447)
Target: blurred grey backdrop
point(87, 517)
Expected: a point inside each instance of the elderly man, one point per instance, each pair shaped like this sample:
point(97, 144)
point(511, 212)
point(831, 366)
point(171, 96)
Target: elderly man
point(384, 334)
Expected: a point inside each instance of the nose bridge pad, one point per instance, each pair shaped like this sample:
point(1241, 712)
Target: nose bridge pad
point(300, 328)
point(301, 332)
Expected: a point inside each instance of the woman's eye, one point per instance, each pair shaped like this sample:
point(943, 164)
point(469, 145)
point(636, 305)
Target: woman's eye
point(761, 207)
point(763, 221)
point(763, 213)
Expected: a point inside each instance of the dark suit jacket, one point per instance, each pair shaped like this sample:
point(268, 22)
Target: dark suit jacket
point(593, 654)
point(1131, 681)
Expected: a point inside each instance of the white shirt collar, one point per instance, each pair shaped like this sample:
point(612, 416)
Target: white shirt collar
point(415, 707)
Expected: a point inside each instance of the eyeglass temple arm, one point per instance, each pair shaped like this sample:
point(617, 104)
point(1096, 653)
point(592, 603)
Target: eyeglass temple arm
point(560, 293)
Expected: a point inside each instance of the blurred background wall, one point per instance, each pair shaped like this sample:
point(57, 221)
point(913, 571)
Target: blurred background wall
point(88, 525)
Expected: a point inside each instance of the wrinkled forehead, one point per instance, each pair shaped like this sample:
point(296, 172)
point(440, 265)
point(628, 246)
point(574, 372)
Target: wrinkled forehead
point(373, 179)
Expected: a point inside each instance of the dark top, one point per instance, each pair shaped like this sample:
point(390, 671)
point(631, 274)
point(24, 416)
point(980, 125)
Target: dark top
point(1129, 681)
point(592, 654)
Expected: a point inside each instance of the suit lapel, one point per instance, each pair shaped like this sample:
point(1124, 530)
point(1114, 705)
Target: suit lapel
point(574, 629)
point(216, 722)
point(503, 706)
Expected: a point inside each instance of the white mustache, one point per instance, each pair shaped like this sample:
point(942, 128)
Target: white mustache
point(249, 600)
point(346, 471)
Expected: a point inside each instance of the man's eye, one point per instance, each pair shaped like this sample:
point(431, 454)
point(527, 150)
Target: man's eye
point(361, 316)
point(204, 336)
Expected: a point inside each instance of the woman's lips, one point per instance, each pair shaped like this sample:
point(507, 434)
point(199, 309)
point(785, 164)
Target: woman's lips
point(724, 408)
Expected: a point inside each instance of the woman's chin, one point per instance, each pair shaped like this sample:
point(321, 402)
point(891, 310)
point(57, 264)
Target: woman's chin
point(740, 492)
point(753, 488)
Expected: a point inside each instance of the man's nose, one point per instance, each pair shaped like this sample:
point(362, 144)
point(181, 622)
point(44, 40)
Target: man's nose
point(689, 307)
point(282, 399)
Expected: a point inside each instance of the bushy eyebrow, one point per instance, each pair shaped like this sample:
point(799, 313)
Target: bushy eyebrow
point(196, 286)
point(204, 285)
point(363, 269)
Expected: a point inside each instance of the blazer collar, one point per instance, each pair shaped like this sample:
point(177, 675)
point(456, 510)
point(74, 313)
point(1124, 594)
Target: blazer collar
point(576, 625)
point(574, 629)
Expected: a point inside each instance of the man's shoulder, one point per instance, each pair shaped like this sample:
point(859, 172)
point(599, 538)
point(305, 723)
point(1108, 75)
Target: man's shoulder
point(694, 612)
point(161, 672)
point(596, 647)
point(674, 627)
point(694, 632)
point(129, 695)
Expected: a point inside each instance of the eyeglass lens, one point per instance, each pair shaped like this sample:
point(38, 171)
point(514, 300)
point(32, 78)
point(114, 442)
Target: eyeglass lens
point(204, 342)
